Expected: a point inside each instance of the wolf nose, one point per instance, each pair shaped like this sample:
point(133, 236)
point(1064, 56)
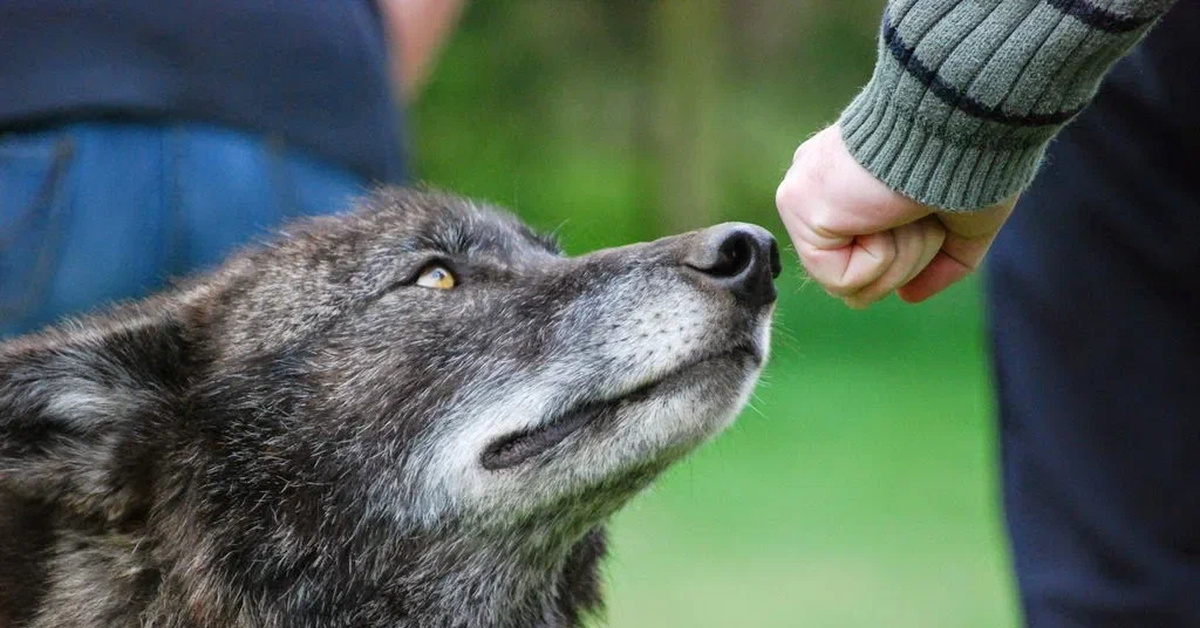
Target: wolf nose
point(739, 257)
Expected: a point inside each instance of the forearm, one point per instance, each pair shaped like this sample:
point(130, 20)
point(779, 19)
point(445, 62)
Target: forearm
point(416, 31)
point(967, 94)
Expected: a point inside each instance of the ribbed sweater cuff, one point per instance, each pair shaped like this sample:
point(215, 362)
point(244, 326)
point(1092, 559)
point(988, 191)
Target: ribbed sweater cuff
point(966, 95)
point(928, 167)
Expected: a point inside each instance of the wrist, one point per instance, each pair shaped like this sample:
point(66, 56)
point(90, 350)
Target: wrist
point(934, 168)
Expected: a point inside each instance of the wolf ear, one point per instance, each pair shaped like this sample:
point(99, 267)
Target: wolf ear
point(77, 403)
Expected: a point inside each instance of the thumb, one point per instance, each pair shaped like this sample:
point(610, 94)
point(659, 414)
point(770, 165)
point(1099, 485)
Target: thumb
point(941, 273)
point(968, 238)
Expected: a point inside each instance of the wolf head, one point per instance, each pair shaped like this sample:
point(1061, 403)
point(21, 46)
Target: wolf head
point(417, 414)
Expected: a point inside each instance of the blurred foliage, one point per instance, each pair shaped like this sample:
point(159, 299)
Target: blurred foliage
point(860, 489)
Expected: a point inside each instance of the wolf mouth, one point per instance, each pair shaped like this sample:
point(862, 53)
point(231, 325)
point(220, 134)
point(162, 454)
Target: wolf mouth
point(515, 448)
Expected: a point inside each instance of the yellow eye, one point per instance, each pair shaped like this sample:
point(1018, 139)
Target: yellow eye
point(436, 276)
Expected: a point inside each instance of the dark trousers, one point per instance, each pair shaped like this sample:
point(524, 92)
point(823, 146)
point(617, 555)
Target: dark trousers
point(1094, 308)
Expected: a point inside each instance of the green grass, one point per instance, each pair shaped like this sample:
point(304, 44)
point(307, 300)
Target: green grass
point(859, 490)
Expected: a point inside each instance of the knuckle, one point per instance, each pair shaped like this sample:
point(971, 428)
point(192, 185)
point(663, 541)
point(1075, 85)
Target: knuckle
point(883, 247)
point(816, 271)
point(810, 266)
point(839, 290)
point(836, 283)
point(784, 194)
point(794, 198)
point(854, 281)
point(823, 221)
point(857, 303)
point(910, 252)
point(800, 150)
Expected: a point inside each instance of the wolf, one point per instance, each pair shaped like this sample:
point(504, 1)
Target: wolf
point(417, 414)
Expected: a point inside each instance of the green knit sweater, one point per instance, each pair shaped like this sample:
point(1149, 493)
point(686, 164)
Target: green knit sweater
point(966, 94)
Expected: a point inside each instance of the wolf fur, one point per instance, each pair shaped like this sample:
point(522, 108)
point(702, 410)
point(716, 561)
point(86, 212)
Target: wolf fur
point(308, 438)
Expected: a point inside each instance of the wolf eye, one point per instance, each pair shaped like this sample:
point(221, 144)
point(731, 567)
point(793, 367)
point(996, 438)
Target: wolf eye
point(437, 277)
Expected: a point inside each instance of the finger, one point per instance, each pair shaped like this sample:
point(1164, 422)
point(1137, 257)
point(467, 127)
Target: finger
point(842, 264)
point(800, 150)
point(935, 237)
point(845, 270)
point(940, 274)
point(908, 241)
point(916, 245)
point(959, 257)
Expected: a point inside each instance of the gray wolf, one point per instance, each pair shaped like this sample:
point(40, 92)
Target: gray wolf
point(418, 414)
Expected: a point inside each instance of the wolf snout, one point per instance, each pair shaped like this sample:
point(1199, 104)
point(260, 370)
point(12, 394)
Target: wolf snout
point(738, 257)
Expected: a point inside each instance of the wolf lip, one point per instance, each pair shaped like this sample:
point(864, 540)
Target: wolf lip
point(513, 449)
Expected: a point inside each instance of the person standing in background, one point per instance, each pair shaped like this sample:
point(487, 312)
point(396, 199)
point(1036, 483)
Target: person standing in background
point(145, 139)
point(141, 140)
point(1092, 286)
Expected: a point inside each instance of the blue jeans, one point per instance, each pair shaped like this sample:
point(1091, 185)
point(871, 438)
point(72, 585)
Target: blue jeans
point(93, 212)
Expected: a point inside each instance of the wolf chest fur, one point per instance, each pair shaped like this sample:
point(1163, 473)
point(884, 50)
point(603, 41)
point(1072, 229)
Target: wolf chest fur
point(418, 414)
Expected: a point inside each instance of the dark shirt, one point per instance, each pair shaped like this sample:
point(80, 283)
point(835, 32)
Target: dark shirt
point(312, 73)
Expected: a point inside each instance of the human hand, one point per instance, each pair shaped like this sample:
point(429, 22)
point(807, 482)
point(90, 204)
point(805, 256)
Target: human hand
point(862, 240)
point(416, 31)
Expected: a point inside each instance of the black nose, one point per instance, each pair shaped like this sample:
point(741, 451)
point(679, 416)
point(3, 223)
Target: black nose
point(741, 258)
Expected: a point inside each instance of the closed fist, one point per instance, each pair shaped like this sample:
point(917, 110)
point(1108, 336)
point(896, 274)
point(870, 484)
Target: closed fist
point(861, 240)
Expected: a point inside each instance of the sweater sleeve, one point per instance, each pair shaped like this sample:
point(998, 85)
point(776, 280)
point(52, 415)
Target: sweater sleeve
point(966, 94)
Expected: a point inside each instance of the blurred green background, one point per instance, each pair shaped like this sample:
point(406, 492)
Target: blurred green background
point(860, 488)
